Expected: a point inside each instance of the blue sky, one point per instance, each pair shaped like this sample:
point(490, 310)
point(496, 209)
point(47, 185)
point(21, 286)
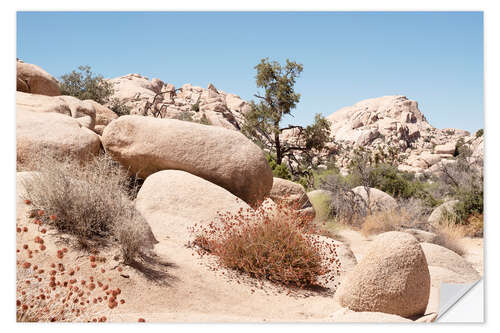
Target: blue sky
point(433, 58)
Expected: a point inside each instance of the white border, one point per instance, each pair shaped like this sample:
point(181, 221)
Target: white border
point(492, 116)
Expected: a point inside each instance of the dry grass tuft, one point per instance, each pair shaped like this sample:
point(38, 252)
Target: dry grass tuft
point(270, 243)
point(380, 222)
point(449, 235)
point(89, 201)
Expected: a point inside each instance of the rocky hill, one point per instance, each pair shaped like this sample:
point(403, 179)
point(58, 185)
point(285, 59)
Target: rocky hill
point(388, 122)
point(396, 122)
point(186, 103)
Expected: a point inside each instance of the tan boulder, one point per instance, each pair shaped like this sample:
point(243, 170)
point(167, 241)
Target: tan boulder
point(290, 192)
point(429, 158)
point(376, 199)
point(437, 213)
point(173, 201)
point(83, 111)
point(447, 148)
point(224, 157)
point(33, 79)
point(447, 266)
point(103, 115)
point(392, 277)
point(58, 134)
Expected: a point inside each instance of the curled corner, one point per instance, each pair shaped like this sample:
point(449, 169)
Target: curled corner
point(465, 309)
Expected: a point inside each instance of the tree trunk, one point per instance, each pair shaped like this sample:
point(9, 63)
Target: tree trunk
point(277, 143)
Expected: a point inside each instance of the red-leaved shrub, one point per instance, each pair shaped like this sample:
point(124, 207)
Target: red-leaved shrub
point(273, 242)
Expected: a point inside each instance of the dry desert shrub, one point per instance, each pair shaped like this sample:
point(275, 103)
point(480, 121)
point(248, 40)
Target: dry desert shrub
point(269, 243)
point(380, 222)
point(88, 201)
point(449, 235)
point(474, 225)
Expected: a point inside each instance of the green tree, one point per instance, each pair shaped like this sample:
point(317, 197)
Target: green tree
point(83, 84)
point(278, 99)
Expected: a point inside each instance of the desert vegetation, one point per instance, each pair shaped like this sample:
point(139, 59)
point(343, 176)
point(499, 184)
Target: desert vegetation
point(416, 197)
point(262, 123)
point(270, 243)
point(92, 203)
point(88, 207)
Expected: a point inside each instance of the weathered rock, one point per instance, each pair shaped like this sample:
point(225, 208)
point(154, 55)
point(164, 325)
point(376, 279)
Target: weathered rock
point(447, 148)
point(447, 266)
point(54, 133)
point(223, 157)
point(290, 192)
point(376, 199)
point(392, 277)
point(33, 79)
point(187, 103)
point(83, 111)
point(391, 124)
point(436, 215)
point(173, 201)
point(103, 115)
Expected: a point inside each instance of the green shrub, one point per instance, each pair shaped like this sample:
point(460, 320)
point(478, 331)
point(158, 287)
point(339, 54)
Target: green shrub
point(204, 120)
point(387, 178)
point(479, 133)
point(185, 116)
point(459, 147)
point(195, 107)
point(119, 107)
point(85, 85)
point(463, 181)
point(279, 170)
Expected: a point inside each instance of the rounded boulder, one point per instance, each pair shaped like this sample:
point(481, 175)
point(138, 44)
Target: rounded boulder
point(224, 157)
point(392, 277)
point(173, 201)
point(35, 80)
point(58, 134)
point(376, 199)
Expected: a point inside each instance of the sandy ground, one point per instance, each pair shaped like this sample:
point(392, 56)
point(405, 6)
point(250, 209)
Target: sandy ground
point(181, 286)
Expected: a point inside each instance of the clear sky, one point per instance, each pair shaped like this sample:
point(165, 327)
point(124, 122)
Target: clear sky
point(433, 58)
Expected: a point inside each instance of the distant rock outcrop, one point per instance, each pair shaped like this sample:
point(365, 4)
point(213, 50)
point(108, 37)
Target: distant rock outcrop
point(395, 123)
point(188, 102)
